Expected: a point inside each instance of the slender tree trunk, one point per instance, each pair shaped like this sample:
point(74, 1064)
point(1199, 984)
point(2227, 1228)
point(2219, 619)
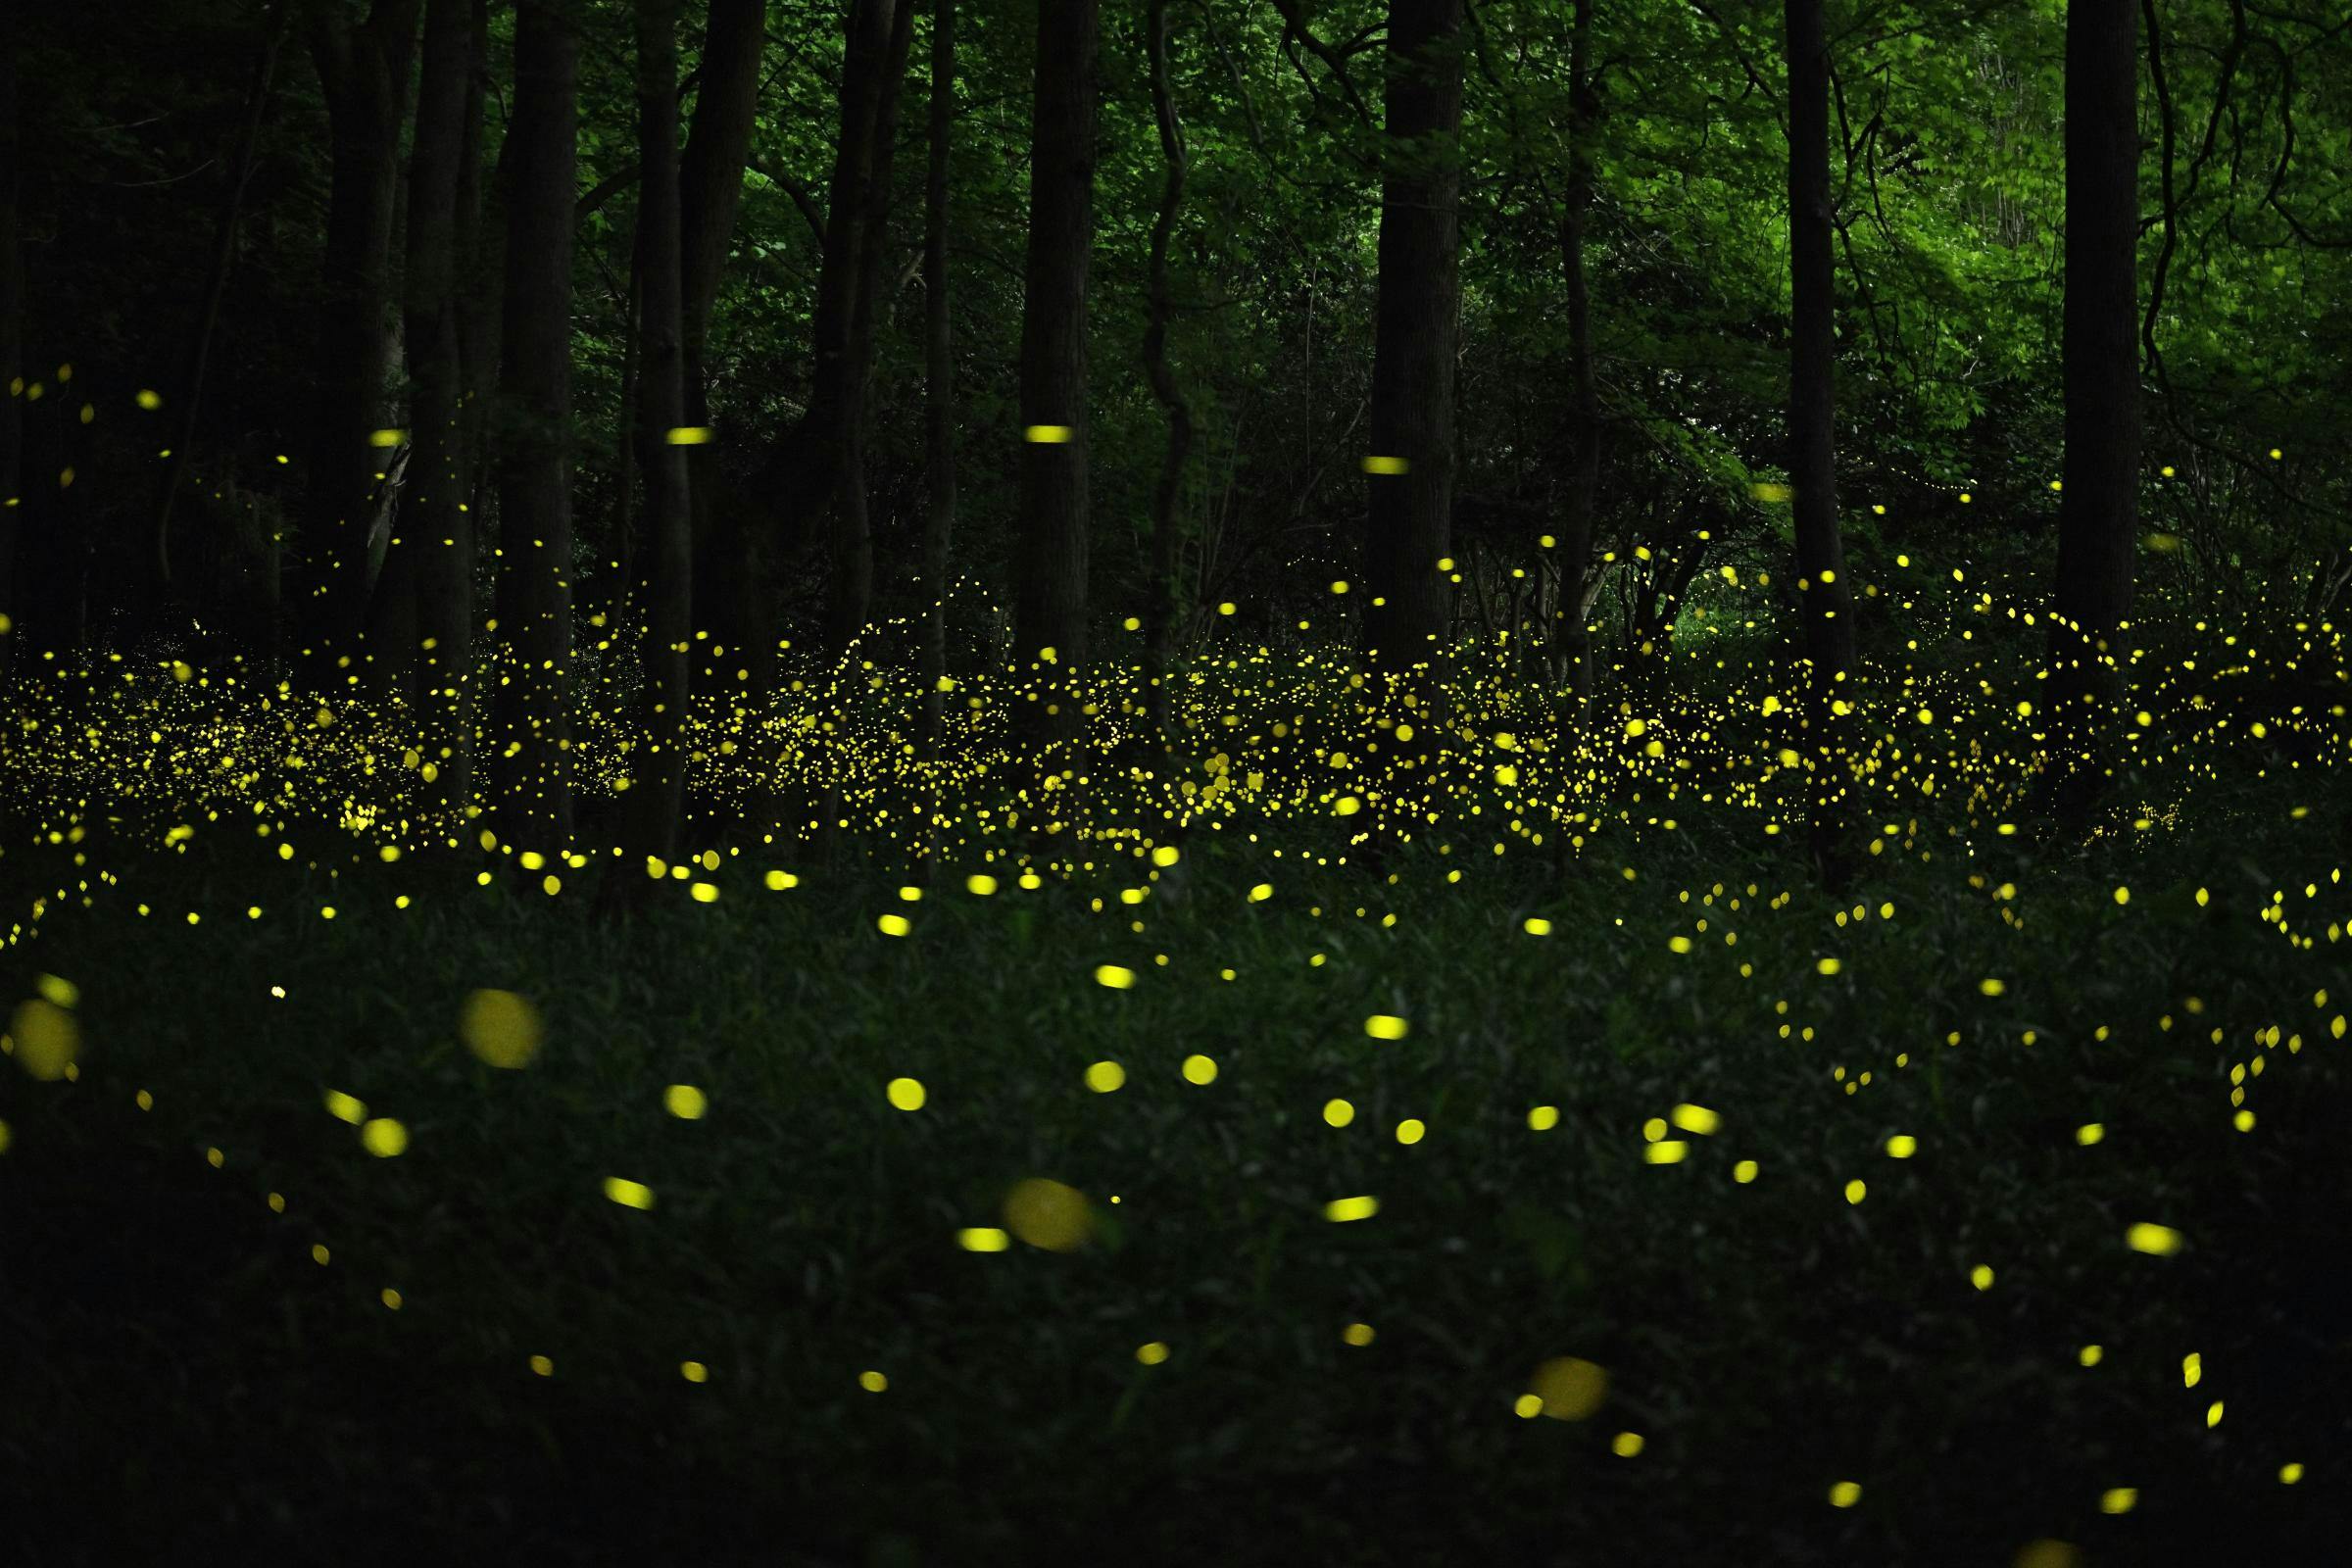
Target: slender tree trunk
point(363, 72)
point(208, 314)
point(481, 250)
point(430, 557)
point(719, 143)
point(12, 346)
point(852, 605)
point(531, 715)
point(1408, 525)
point(1825, 598)
point(939, 368)
point(665, 552)
point(1160, 649)
point(1572, 643)
point(1050, 564)
point(2099, 505)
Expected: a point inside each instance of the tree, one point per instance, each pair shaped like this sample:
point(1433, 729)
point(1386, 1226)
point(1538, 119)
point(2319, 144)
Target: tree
point(1408, 525)
point(1824, 599)
point(531, 720)
point(2098, 505)
point(1050, 552)
point(664, 549)
point(939, 366)
point(363, 74)
point(1571, 642)
point(1163, 609)
point(11, 345)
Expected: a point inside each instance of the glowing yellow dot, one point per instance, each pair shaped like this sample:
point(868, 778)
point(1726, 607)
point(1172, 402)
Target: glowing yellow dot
point(1626, 1444)
point(2212, 1414)
point(694, 1372)
point(1992, 987)
point(1199, 1069)
point(1341, 1211)
point(905, 1094)
point(1980, 1276)
point(1385, 1026)
point(1048, 1214)
point(1856, 1190)
point(1116, 978)
point(1544, 1118)
point(1569, 1387)
point(1357, 1334)
point(1902, 1146)
point(390, 1297)
point(982, 1238)
point(2091, 1354)
point(1151, 1354)
point(1668, 1152)
point(1537, 926)
point(500, 1027)
point(1826, 966)
point(2046, 1553)
point(1380, 464)
point(2157, 1241)
point(1046, 435)
point(1744, 1172)
point(1410, 1131)
point(1106, 1077)
point(872, 1382)
point(685, 1101)
point(628, 1194)
point(47, 1039)
point(2090, 1132)
point(1694, 1119)
point(2117, 1499)
point(689, 435)
point(778, 881)
point(344, 1107)
point(1527, 1406)
point(894, 925)
point(1844, 1494)
point(980, 883)
point(2289, 1473)
point(149, 400)
point(543, 1366)
point(319, 1253)
point(1338, 1112)
point(383, 1136)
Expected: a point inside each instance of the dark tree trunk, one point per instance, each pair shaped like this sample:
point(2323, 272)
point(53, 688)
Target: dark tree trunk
point(481, 249)
point(364, 73)
point(1572, 643)
point(1824, 599)
point(1408, 524)
point(665, 552)
point(430, 557)
point(719, 143)
point(12, 347)
point(208, 314)
point(1049, 567)
point(1160, 649)
point(530, 716)
point(852, 605)
point(939, 368)
point(2098, 504)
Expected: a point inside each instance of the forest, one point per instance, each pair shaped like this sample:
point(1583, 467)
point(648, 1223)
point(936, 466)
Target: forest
point(878, 782)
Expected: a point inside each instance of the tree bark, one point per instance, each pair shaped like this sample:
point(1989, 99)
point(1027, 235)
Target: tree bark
point(852, 604)
point(1408, 523)
point(1050, 561)
point(1161, 647)
point(11, 345)
point(1572, 643)
point(2098, 503)
point(718, 144)
point(664, 551)
point(530, 712)
point(939, 368)
point(1823, 597)
point(363, 74)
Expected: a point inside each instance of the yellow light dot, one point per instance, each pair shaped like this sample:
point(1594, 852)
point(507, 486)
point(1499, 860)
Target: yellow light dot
point(1537, 926)
point(1048, 1215)
point(628, 1194)
point(1342, 1210)
point(1410, 1131)
point(1569, 1387)
point(1106, 1077)
point(1199, 1069)
point(1357, 1334)
point(390, 1297)
point(1980, 1276)
point(1338, 1112)
point(1381, 465)
point(1046, 435)
point(872, 1382)
point(2117, 1499)
point(894, 925)
point(1383, 1026)
point(2212, 1414)
point(1826, 966)
point(982, 1238)
point(1544, 1118)
point(694, 1372)
point(1844, 1494)
point(383, 1136)
point(1856, 1190)
point(1151, 1354)
point(2289, 1473)
point(2090, 1132)
point(1626, 1444)
point(981, 884)
point(1902, 1146)
point(1261, 893)
point(685, 1101)
point(149, 399)
point(689, 435)
point(1527, 1406)
point(1669, 1151)
point(46, 1038)
point(2046, 1553)
point(778, 881)
point(1116, 978)
point(2157, 1241)
point(543, 1366)
point(500, 1027)
point(905, 1094)
point(1744, 1172)
point(2091, 1354)
point(319, 1253)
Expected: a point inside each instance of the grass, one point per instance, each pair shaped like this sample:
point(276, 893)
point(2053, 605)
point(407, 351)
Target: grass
point(188, 1373)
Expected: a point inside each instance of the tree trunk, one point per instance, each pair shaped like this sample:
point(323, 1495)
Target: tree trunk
point(939, 368)
point(719, 143)
point(1572, 643)
point(665, 552)
point(1823, 597)
point(363, 74)
point(1160, 649)
point(12, 347)
point(208, 314)
point(530, 716)
point(2098, 504)
point(852, 605)
point(1408, 524)
point(1050, 562)
point(433, 540)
